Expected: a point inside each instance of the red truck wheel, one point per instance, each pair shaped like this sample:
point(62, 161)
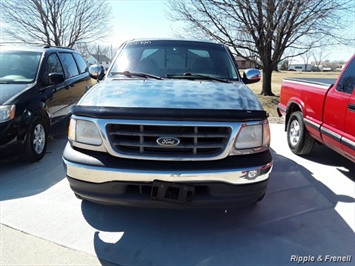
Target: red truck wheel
point(298, 138)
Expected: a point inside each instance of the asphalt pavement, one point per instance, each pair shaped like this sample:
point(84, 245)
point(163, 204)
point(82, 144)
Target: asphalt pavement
point(306, 217)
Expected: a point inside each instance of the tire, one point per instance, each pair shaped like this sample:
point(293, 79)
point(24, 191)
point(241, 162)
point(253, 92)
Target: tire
point(36, 140)
point(298, 138)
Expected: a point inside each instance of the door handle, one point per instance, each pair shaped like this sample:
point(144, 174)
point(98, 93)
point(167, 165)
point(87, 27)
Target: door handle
point(69, 86)
point(351, 107)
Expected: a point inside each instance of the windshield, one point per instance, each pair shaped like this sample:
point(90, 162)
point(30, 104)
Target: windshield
point(172, 59)
point(18, 66)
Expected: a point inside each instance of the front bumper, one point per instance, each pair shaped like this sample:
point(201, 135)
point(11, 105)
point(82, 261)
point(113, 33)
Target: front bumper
point(106, 179)
point(9, 142)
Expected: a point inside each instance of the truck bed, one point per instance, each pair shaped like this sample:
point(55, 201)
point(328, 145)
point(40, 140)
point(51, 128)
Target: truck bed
point(303, 89)
point(315, 81)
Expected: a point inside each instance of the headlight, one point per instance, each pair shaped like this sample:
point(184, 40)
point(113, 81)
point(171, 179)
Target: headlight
point(249, 137)
point(266, 134)
point(253, 138)
point(84, 132)
point(7, 112)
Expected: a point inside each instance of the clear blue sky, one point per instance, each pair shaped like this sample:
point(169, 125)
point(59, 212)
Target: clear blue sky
point(147, 18)
point(139, 19)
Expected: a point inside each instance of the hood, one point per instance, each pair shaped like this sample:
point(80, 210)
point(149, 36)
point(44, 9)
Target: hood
point(7, 91)
point(171, 93)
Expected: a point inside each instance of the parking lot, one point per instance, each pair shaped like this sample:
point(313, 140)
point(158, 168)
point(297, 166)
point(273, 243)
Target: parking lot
point(308, 213)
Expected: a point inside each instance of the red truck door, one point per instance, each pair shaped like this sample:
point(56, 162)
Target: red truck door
point(338, 130)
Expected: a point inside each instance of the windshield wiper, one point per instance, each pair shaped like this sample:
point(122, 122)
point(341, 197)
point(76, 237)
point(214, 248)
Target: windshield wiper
point(195, 75)
point(130, 74)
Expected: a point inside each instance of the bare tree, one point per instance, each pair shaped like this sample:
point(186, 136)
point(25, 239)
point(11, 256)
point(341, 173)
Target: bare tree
point(265, 28)
point(285, 64)
point(87, 49)
point(54, 22)
point(306, 56)
point(84, 48)
point(319, 57)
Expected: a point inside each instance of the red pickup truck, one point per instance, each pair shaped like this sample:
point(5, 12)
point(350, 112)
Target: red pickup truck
point(320, 110)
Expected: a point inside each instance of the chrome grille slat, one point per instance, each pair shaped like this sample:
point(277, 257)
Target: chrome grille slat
point(195, 141)
point(152, 144)
point(215, 135)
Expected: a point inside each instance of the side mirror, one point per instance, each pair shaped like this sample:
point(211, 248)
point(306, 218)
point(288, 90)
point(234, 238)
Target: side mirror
point(251, 75)
point(96, 72)
point(55, 78)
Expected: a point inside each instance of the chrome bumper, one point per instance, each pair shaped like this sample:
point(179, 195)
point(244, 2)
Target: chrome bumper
point(84, 167)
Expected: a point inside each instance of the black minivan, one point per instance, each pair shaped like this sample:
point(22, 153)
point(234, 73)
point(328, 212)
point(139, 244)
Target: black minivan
point(38, 86)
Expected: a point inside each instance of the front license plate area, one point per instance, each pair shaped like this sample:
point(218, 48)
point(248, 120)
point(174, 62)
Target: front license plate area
point(171, 192)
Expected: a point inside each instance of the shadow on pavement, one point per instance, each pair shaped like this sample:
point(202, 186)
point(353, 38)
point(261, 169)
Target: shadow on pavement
point(296, 218)
point(22, 179)
point(324, 155)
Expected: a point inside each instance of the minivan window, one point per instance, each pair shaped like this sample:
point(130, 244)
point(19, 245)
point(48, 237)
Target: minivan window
point(69, 64)
point(52, 66)
point(81, 63)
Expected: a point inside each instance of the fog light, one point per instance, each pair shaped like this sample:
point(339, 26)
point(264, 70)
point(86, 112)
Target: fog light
point(253, 174)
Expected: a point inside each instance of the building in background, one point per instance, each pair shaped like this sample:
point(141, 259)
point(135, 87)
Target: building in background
point(244, 63)
point(99, 59)
point(301, 67)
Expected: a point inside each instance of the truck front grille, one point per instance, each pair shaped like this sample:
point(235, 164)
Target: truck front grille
point(142, 140)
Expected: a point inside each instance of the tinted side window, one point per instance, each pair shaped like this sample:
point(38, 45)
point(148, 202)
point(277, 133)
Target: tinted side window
point(81, 63)
point(347, 80)
point(52, 66)
point(69, 64)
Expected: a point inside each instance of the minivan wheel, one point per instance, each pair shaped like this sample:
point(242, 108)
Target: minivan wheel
point(298, 138)
point(36, 140)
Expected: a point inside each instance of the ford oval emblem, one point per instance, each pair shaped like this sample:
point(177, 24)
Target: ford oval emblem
point(168, 141)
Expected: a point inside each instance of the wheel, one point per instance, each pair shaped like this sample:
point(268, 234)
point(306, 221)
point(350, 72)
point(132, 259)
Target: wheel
point(298, 138)
point(36, 140)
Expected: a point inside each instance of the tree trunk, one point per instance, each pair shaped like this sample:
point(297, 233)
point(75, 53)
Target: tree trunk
point(266, 86)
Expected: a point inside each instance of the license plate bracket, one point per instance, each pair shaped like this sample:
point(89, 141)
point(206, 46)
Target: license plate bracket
point(172, 192)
